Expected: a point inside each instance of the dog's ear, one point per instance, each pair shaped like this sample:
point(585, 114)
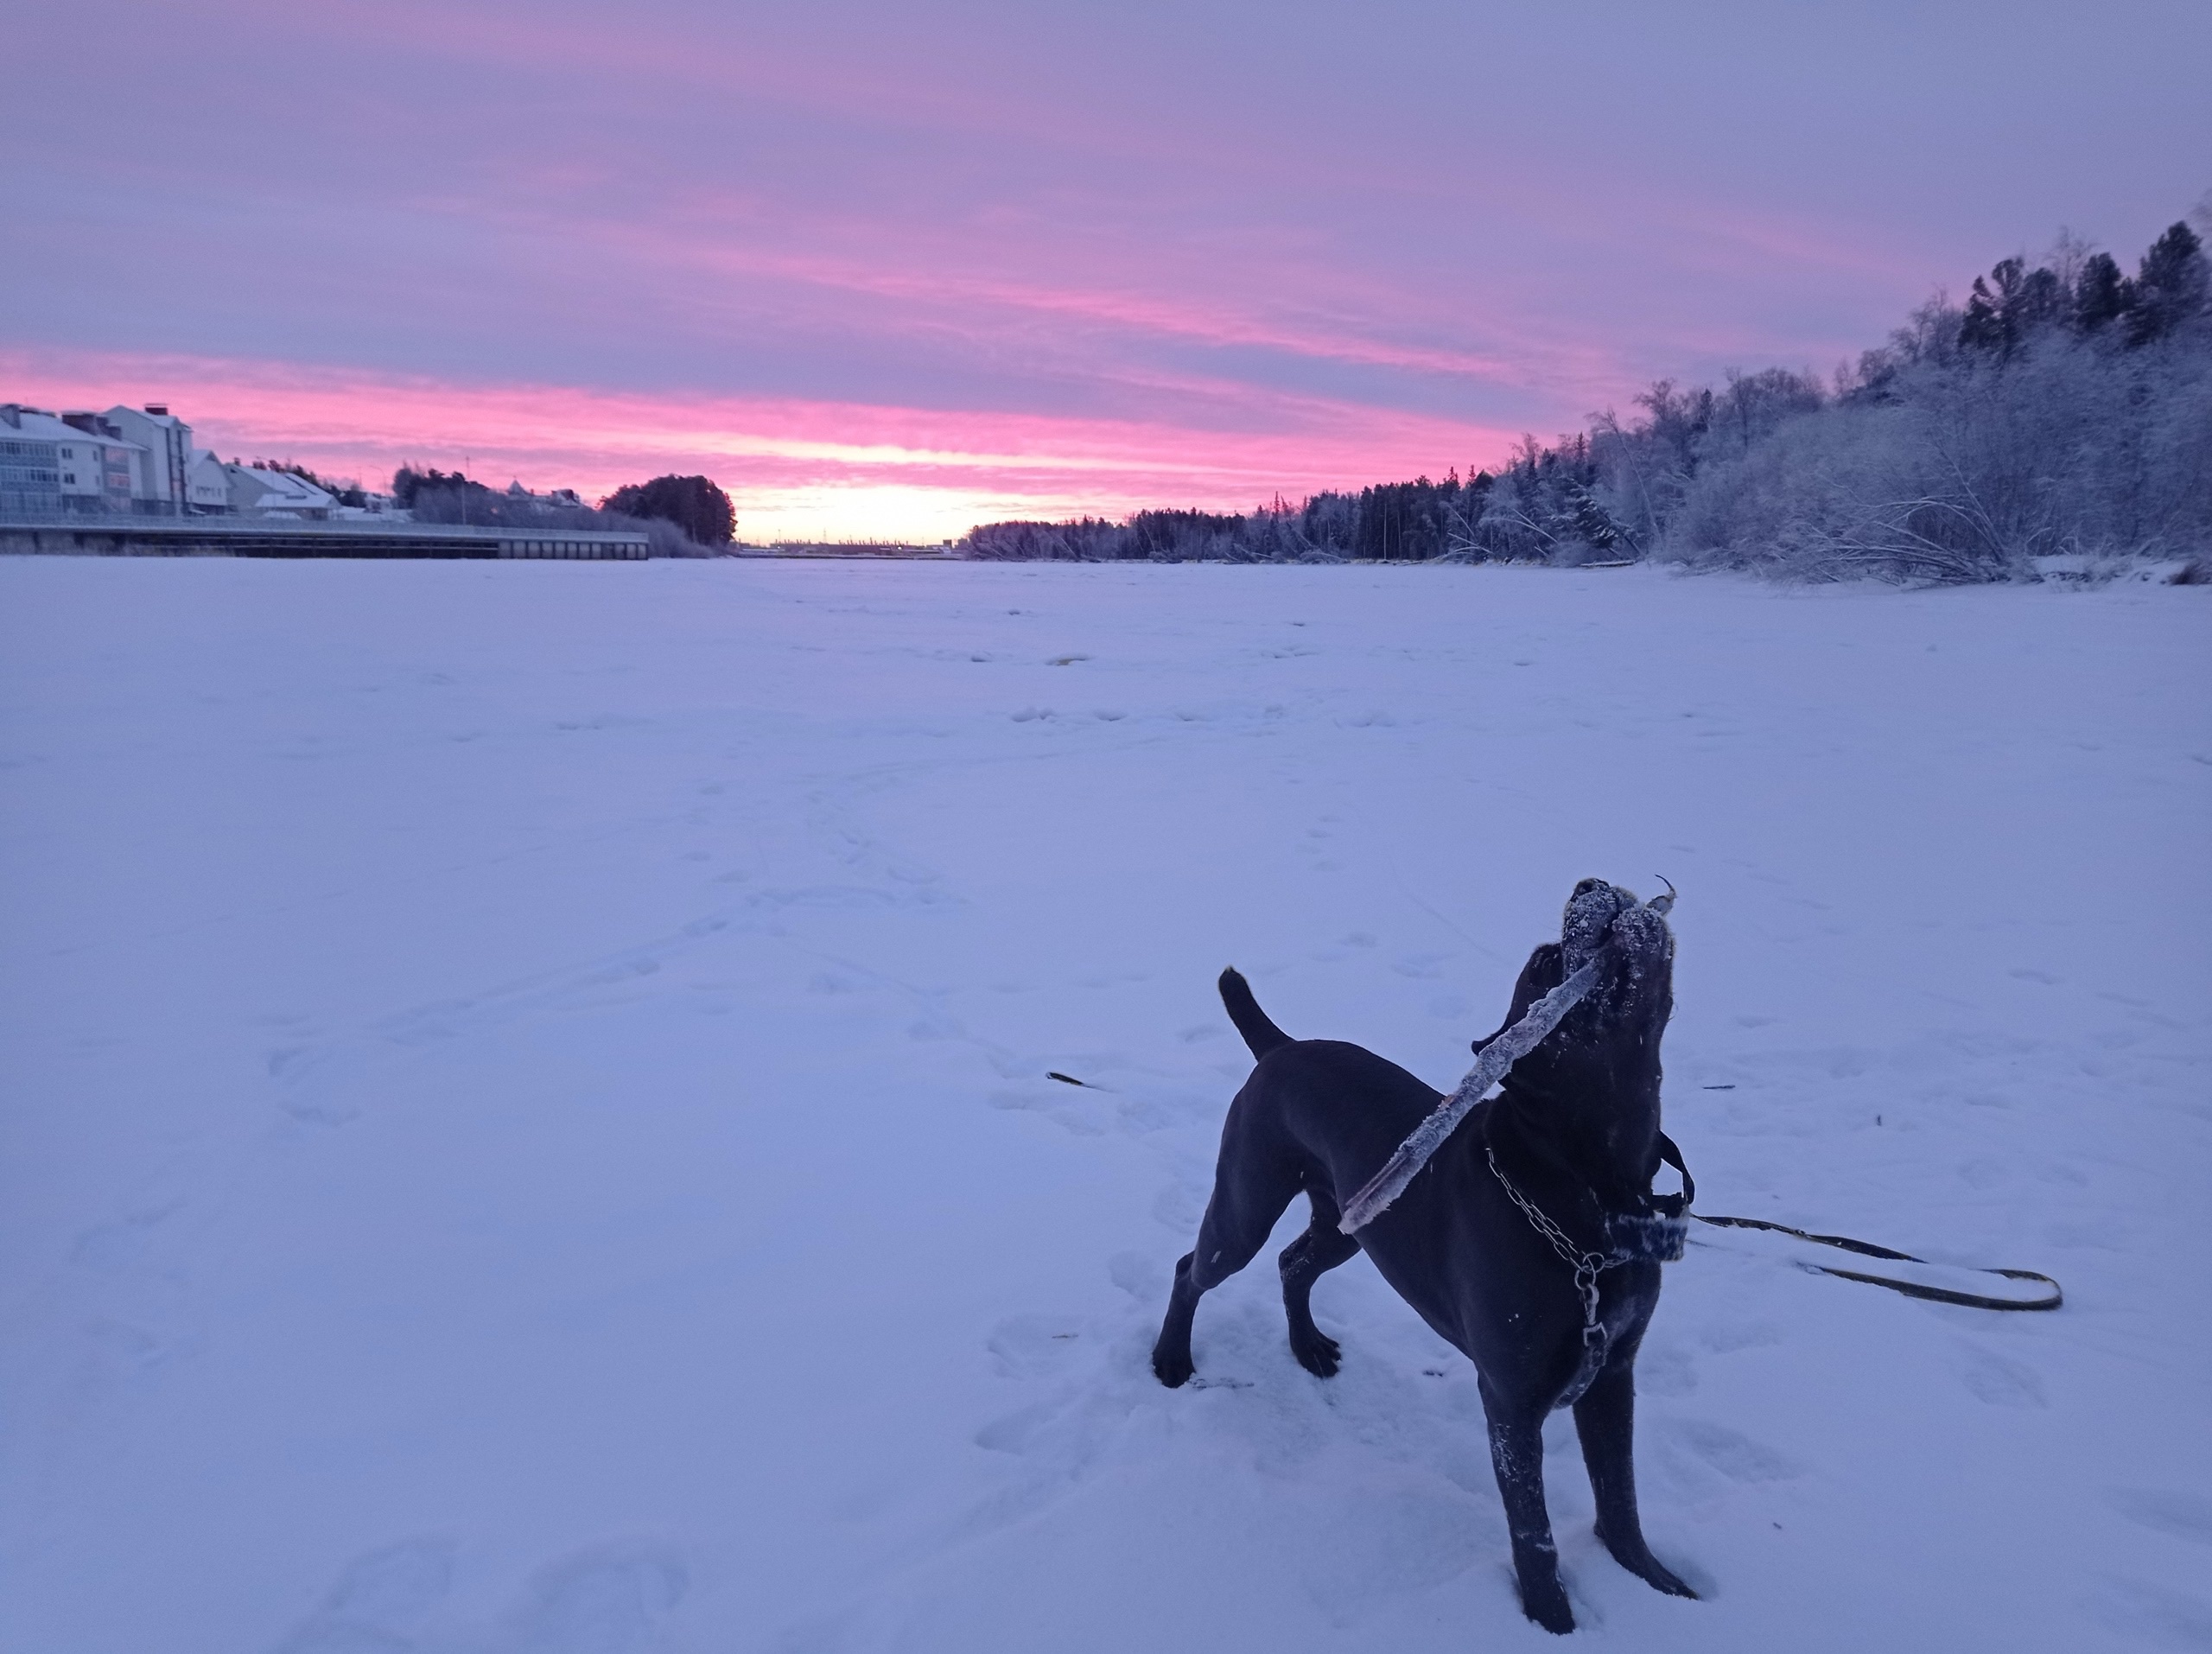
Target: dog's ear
point(1539, 976)
point(1545, 971)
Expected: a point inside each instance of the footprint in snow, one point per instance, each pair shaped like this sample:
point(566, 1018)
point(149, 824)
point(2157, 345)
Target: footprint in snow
point(1016, 1430)
point(1422, 967)
point(607, 1600)
point(1031, 1346)
point(1061, 1107)
point(380, 1600)
point(2001, 1381)
point(1726, 1337)
point(2151, 1615)
point(2183, 1516)
point(113, 1246)
point(1695, 1445)
point(1144, 1277)
point(1664, 1370)
point(120, 1352)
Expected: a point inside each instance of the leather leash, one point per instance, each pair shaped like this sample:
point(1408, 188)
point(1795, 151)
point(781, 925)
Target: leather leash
point(1669, 1154)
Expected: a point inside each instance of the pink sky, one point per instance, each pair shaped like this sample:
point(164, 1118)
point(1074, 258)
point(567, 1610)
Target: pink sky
point(886, 272)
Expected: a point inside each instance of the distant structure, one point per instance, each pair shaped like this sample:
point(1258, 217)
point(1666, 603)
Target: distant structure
point(259, 492)
point(565, 499)
point(50, 466)
point(129, 482)
point(166, 441)
point(127, 461)
point(207, 483)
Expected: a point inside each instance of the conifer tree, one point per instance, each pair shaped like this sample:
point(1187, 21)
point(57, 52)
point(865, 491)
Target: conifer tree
point(2039, 301)
point(2102, 295)
point(2170, 285)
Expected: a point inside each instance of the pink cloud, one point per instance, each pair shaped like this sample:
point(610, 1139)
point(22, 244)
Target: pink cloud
point(787, 461)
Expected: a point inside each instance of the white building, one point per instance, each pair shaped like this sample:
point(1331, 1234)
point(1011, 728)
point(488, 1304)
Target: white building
point(76, 463)
point(30, 464)
point(164, 488)
point(206, 483)
point(259, 492)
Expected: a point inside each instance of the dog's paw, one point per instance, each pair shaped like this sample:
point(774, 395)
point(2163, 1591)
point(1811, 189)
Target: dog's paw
point(1660, 1577)
point(1637, 1557)
point(1173, 1368)
point(1546, 1606)
point(1317, 1353)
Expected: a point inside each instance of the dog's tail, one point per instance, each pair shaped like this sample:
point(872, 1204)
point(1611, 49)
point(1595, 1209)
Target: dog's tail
point(1252, 1022)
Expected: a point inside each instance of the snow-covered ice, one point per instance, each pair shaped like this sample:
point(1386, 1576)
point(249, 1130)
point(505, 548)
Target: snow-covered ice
point(527, 1127)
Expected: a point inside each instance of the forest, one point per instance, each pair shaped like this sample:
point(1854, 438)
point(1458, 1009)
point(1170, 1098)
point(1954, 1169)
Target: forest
point(2064, 409)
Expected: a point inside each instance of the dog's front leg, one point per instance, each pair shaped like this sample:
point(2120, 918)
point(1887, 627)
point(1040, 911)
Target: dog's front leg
point(1516, 1453)
point(1605, 1420)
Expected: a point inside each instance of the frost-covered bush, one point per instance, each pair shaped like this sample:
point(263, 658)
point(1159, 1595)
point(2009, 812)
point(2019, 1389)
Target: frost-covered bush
point(1968, 466)
point(2064, 410)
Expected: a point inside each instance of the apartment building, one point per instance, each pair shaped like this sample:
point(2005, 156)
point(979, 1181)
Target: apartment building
point(54, 466)
point(165, 486)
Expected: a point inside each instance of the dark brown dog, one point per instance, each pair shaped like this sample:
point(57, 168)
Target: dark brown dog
point(1575, 1133)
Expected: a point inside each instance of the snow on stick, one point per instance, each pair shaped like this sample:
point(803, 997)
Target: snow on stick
point(1375, 1196)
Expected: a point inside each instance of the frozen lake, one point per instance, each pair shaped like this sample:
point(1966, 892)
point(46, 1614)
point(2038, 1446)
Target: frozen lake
point(526, 1119)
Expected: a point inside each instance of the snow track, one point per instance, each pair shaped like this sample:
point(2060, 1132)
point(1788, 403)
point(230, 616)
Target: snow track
point(528, 1125)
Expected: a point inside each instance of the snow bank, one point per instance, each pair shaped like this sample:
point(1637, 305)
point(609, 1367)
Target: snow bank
point(528, 1125)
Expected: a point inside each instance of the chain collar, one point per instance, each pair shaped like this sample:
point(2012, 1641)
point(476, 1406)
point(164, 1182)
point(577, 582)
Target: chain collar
point(1587, 1267)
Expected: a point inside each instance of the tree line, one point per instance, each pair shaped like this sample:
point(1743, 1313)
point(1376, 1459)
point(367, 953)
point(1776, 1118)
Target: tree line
point(681, 516)
point(2064, 407)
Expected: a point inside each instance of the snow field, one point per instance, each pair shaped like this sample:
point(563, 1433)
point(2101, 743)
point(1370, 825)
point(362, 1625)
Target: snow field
point(527, 1122)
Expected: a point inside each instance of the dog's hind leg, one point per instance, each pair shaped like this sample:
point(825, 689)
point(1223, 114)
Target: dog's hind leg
point(1249, 1193)
point(1605, 1420)
point(1516, 1453)
point(1305, 1260)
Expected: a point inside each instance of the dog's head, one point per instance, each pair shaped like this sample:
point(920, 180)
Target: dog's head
point(1635, 951)
point(1595, 1079)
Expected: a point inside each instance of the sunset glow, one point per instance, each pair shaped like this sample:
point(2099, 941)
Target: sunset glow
point(796, 469)
point(883, 275)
